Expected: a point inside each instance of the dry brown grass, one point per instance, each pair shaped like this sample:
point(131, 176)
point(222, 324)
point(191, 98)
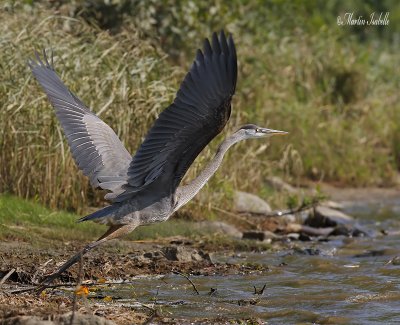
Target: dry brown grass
point(336, 96)
point(123, 78)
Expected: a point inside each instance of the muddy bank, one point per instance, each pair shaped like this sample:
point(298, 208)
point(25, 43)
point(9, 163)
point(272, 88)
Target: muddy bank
point(118, 261)
point(276, 247)
point(115, 260)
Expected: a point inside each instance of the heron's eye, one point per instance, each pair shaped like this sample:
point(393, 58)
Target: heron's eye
point(257, 130)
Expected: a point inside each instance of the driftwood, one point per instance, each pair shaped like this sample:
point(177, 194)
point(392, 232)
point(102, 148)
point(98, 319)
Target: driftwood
point(4, 279)
point(311, 231)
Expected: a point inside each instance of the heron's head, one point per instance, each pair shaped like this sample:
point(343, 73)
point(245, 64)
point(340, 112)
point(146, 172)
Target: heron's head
point(249, 131)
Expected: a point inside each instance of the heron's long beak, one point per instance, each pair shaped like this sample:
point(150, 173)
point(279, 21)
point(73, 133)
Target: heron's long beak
point(274, 132)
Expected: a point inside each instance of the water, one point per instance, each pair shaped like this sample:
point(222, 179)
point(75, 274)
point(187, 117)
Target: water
point(350, 281)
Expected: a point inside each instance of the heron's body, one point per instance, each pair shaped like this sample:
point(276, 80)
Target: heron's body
point(145, 208)
point(145, 188)
point(139, 211)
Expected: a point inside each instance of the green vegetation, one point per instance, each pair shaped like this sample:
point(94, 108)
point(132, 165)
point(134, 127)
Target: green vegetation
point(334, 88)
point(29, 221)
point(22, 219)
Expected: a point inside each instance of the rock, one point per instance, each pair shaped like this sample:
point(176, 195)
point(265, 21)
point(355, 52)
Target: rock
point(221, 227)
point(327, 217)
point(316, 231)
point(293, 227)
point(259, 235)
point(279, 185)
point(156, 255)
point(184, 254)
point(302, 216)
point(347, 230)
point(293, 236)
point(313, 251)
point(247, 202)
point(65, 319)
point(308, 251)
point(174, 253)
point(332, 205)
point(289, 218)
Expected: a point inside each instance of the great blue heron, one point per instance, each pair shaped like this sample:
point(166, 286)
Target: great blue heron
point(145, 188)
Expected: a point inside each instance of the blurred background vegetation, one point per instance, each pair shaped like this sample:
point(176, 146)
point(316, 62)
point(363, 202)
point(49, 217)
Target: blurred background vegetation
point(334, 88)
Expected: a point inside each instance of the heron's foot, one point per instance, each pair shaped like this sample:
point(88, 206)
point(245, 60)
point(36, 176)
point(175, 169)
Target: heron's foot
point(46, 282)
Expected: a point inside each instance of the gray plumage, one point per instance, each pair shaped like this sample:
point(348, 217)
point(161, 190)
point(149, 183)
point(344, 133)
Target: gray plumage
point(97, 150)
point(145, 188)
point(179, 134)
point(177, 137)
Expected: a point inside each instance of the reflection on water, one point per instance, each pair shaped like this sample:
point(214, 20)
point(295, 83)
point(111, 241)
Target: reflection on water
point(349, 282)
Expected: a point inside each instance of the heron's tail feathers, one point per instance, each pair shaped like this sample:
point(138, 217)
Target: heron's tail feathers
point(100, 213)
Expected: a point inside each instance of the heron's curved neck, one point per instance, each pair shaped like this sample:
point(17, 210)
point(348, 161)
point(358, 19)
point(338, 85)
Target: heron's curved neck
point(186, 192)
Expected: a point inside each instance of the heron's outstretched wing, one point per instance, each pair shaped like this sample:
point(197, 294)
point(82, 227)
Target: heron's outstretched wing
point(95, 147)
point(199, 112)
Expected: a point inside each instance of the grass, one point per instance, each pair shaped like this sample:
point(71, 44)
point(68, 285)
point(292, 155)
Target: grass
point(333, 88)
point(128, 93)
point(31, 222)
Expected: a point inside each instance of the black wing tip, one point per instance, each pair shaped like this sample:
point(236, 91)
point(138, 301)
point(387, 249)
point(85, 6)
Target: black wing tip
point(38, 62)
point(216, 44)
point(222, 39)
point(220, 43)
point(207, 49)
point(233, 58)
point(199, 54)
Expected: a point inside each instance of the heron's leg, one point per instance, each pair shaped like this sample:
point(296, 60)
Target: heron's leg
point(112, 233)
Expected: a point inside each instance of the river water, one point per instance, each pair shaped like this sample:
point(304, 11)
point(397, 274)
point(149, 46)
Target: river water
point(341, 281)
